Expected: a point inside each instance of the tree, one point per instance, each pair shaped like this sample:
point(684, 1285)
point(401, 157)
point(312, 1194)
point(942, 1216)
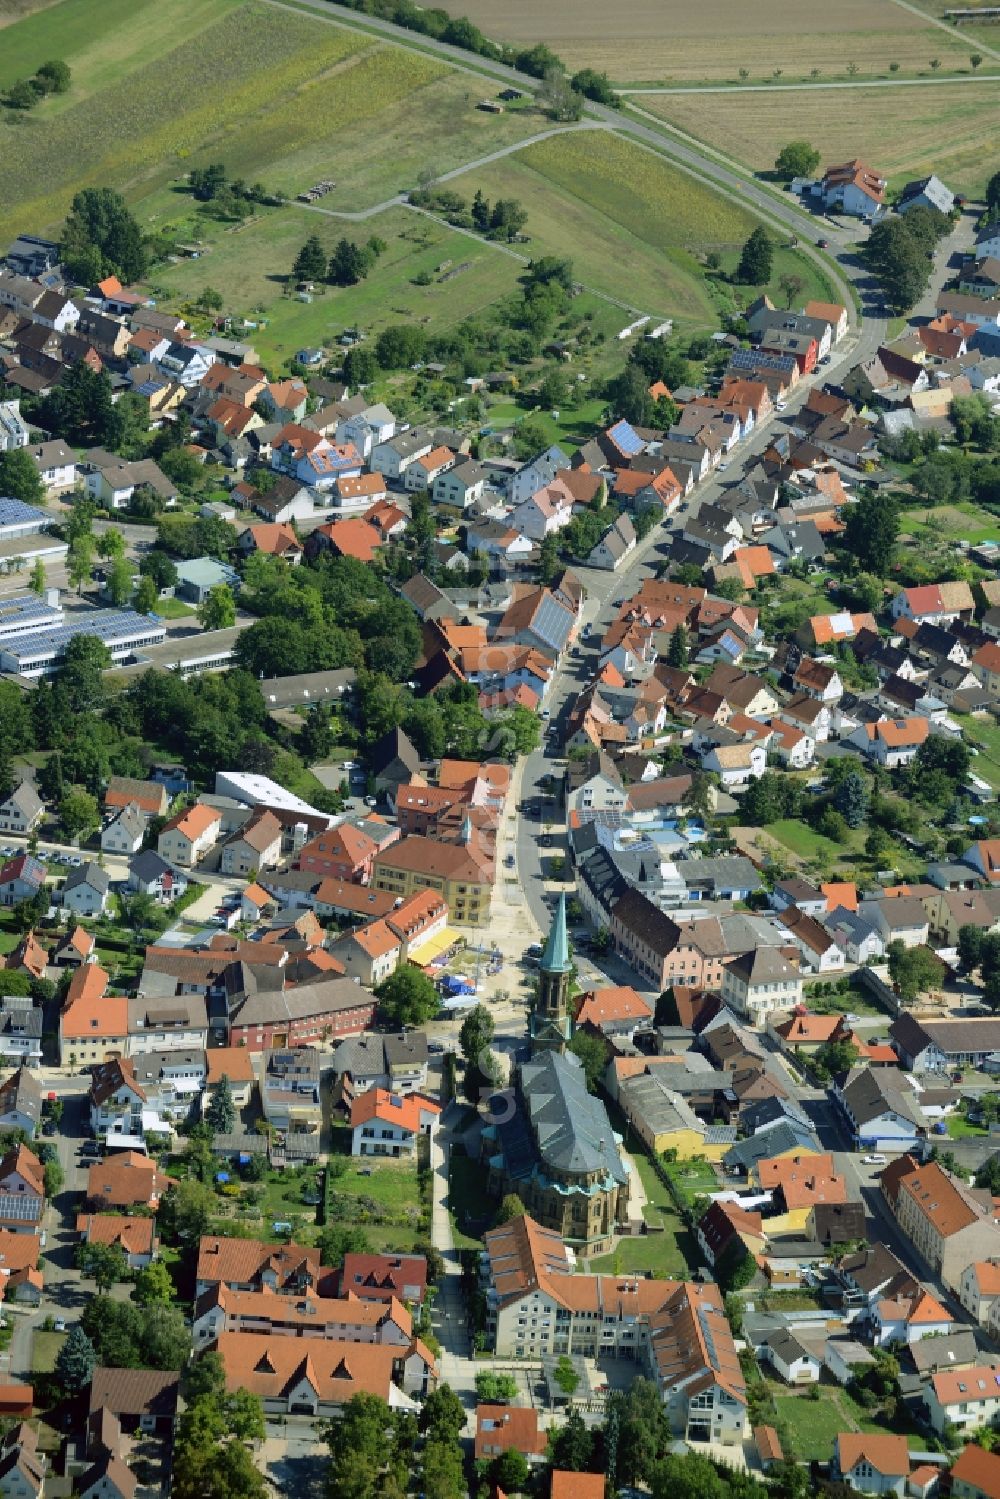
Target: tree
point(100, 227)
point(75, 1362)
point(22, 95)
point(476, 1034)
point(480, 212)
point(153, 1285)
point(310, 262)
point(756, 259)
point(970, 946)
point(510, 1471)
point(496, 1389)
point(797, 159)
point(566, 1376)
point(791, 285)
point(146, 596)
point(210, 300)
point(55, 76)
point(442, 1416)
point(360, 366)
point(220, 1115)
point(914, 970)
point(185, 1213)
point(511, 1207)
point(217, 610)
point(571, 1446)
point(835, 1057)
point(976, 59)
point(19, 477)
point(443, 1472)
point(558, 97)
point(592, 1052)
point(36, 582)
point(870, 532)
point(992, 193)
point(118, 582)
point(105, 1264)
point(78, 813)
point(161, 568)
point(851, 799)
point(678, 648)
point(358, 1443)
point(348, 264)
point(407, 997)
point(80, 562)
point(399, 346)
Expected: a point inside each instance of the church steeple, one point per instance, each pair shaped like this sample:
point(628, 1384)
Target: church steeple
point(551, 1026)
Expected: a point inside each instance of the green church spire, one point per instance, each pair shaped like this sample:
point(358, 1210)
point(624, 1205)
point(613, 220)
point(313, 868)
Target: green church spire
point(555, 958)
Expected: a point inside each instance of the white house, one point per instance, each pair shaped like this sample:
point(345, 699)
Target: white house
point(618, 542)
point(736, 764)
point(14, 432)
point(547, 511)
point(367, 428)
point(422, 472)
point(393, 457)
point(965, 1398)
point(759, 982)
point(389, 1124)
point(460, 486)
point(536, 474)
point(21, 810)
point(871, 1464)
point(85, 892)
point(55, 462)
point(881, 1110)
point(790, 1359)
point(853, 188)
point(891, 742)
point(125, 832)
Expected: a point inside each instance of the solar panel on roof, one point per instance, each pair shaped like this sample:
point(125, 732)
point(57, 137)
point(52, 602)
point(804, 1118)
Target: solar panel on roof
point(16, 512)
point(626, 438)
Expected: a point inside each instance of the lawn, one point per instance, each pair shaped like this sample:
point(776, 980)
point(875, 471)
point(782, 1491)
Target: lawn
point(813, 1424)
point(629, 221)
point(959, 1128)
point(668, 39)
point(469, 1203)
point(249, 269)
point(668, 1249)
point(45, 1348)
point(174, 609)
point(693, 1178)
point(982, 733)
point(275, 95)
point(908, 132)
point(806, 843)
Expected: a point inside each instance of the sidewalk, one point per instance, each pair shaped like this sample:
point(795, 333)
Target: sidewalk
point(448, 1316)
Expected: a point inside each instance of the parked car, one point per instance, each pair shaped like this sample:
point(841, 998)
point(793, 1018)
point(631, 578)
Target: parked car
point(874, 1160)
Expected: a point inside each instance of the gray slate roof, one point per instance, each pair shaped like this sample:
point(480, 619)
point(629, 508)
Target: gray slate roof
point(571, 1127)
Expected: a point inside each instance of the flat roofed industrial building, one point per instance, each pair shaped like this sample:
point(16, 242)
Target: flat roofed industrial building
point(25, 612)
point(121, 630)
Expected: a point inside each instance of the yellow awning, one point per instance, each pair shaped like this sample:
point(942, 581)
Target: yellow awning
point(433, 947)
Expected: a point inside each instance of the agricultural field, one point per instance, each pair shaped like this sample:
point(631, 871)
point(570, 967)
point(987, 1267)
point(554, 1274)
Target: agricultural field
point(985, 36)
point(906, 132)
point(277, 96)
point(631, 223)
point(661, 40)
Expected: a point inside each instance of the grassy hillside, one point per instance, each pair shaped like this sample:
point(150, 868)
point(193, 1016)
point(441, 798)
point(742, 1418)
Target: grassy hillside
point(632, 224)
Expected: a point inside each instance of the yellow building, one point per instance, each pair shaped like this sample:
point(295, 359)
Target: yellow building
point(663, 1120)
point(463, 872)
